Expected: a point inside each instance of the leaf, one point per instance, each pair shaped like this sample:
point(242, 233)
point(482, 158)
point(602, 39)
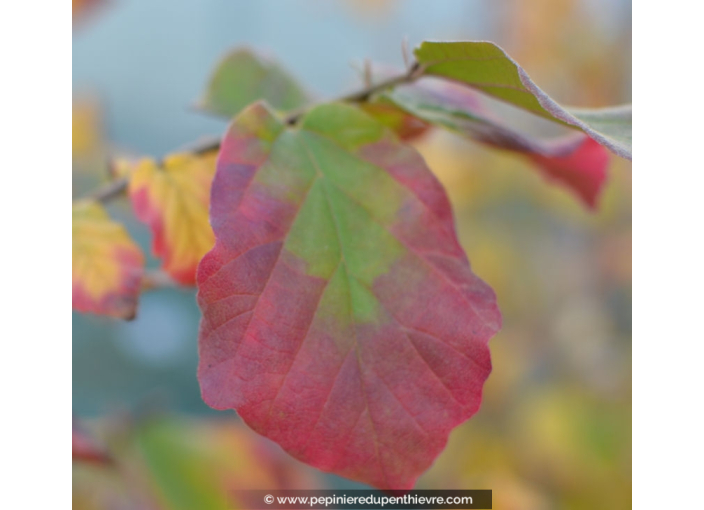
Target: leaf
point(581, 165)
point(487, 68)
point(243, 77)
point(166, 462)
point(574, 160)
point(340, 315)
point(107, 264)
point(172, 199)
point(183, 472)
point(207, 464)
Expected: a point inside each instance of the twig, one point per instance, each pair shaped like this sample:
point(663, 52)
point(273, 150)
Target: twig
point(116, 188)
point(202, 146)
point(413, 73)
point(367, 73)
point(111, 190)
point(360, 96)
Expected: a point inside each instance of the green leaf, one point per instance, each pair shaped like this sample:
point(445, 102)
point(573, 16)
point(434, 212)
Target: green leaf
point(487, 68)
point(243, 77)
point(182, 471)
point(613, 122)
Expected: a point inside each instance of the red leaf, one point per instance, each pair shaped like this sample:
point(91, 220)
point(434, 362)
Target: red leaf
point(582, 168)
point(340, 315)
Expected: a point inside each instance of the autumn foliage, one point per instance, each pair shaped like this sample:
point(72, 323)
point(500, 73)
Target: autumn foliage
point(340, 316)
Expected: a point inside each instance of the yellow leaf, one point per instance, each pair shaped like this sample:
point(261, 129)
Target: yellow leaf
point(107, 264)
point(173, 200)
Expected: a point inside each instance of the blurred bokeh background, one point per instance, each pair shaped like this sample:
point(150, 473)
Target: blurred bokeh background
point(554, 430)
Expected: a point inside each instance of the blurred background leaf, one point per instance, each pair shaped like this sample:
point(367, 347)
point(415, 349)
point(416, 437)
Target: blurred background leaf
point(243, 77)
point(172, 463)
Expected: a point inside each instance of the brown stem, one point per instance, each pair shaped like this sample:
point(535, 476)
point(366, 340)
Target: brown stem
point(111, 190)
point(116, 188)
point(360, 96)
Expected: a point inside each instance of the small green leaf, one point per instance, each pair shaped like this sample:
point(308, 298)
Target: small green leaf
point(487, 68)
point(243, 77)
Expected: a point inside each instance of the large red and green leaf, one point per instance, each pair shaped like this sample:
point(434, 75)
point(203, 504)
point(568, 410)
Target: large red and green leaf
point(107, 264)
point(172, 199)
point(574, 160)
point(487, 68)
point(243, 77)
point(340, 315)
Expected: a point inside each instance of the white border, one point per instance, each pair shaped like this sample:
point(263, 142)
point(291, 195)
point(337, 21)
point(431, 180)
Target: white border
point(668, 247)
point(35, 90)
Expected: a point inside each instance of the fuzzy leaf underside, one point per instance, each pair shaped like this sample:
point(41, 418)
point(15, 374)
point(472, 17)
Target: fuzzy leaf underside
point(487, 68)
point(574, 160)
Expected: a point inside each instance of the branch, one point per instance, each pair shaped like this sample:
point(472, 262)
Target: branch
point(414, 72)
point(111, 190)
point(116, 188)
